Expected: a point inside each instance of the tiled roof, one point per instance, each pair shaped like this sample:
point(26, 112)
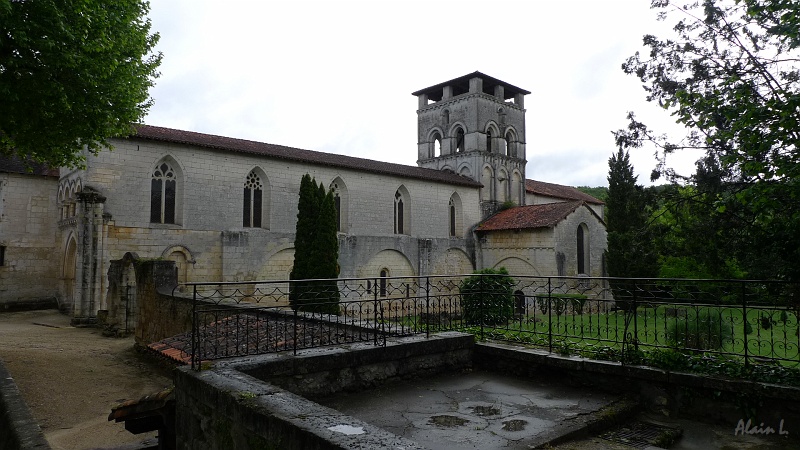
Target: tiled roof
point(145, 406)
point(559, 191)
point(13, 164)
point(532, 216)
point(150, 132)
point(461, 85)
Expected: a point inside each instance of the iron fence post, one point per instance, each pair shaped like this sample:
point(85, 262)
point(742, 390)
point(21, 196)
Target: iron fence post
point(428, 306)
point(550, 314)
point(195, 331)
point(744, 325)
point(374, 306)
point(482, 309)
point(294, 332)
point(635, 322)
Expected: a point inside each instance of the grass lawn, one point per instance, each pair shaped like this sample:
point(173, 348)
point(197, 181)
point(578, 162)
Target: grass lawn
point(770, 333)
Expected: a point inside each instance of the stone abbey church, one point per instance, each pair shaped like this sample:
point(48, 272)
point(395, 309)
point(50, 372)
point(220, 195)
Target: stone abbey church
point(225, 208)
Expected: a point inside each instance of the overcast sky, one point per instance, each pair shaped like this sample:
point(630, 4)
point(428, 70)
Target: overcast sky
point(337, 76)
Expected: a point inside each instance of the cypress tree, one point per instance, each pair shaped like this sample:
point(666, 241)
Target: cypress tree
point(630, 251)
point(316, 251)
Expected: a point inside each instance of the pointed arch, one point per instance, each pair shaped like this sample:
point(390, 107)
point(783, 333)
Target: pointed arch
point(256, 200)
point(455, 221)
point(502, 185)
point(466, 170)
point(69, 269)
point(166, 192)
point(516, 187)
point(487, 179)
point(341, 201)
point(402, 211)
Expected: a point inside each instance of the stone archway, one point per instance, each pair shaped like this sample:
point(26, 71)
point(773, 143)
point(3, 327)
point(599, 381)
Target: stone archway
point(69, 270)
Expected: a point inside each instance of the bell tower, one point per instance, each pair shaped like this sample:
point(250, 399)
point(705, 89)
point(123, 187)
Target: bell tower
point(474, 125)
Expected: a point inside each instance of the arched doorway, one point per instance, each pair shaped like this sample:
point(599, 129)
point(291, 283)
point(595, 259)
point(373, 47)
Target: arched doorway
point(70, 261)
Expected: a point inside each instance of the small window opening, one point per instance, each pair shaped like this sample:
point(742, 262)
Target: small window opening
point(459, 140)
point(2, 255)
point(382, 288)
point(452, 210)
point(398, 213)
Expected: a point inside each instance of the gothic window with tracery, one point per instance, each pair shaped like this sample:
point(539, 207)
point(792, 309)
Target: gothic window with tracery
point(399, 213)
point(253, 201)
point(163, 194)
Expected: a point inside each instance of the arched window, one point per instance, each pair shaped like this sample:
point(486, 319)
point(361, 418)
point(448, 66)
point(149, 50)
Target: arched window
point(252, 210)
point(502, 186)
point(399, 213)
point(489, 137)
point(583, 249)
point(454, 222)
point(516, 188)
point(163, 194)
point(459, 140)
point(437, 145)
point(487, 180)
point(452, 212)
point(382, 282)
point(340, 201)
point(509, 143)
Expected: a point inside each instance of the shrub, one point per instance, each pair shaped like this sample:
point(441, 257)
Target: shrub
point(705, 331)
point(488, 297)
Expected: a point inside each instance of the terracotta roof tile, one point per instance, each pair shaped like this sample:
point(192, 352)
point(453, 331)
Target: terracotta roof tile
point(153, 133)
point(144, 406)
point(13, 164)
point(559, 191)
point(532, 216)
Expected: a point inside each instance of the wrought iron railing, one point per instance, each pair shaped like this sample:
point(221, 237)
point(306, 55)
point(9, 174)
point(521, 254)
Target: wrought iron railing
point(606, 318)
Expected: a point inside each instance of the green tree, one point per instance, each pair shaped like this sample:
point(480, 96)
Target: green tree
point(72, 75)
point(730, 76)
point(487, 297)
point(630, 251)
point(599, 192)
point(316, 251)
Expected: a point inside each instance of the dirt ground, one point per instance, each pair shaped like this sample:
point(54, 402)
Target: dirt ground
point(71, 377)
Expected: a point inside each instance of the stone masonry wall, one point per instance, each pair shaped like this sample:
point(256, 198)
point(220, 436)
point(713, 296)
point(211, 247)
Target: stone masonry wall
point(18, 429)
point(565, 235)
point(212, 198)
point(228, 407)
point(30, 272)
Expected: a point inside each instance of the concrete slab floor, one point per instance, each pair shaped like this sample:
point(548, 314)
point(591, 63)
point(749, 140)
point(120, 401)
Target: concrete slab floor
point(476, 410)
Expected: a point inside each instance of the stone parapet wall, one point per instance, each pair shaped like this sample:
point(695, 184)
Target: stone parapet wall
point(674, 394)
point(230, 407)
point(18, 429)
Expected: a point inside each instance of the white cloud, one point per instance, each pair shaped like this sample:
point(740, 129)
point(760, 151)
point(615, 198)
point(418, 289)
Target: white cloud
point(336, 76)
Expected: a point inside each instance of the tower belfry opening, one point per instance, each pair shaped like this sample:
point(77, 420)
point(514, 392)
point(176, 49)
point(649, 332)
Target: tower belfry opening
point(475, 125)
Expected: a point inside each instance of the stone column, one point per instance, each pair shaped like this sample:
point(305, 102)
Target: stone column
point(91, 229)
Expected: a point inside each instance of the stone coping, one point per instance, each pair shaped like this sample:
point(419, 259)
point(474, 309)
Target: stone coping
point(248, 389)
point(18, 428)
point(542, 358)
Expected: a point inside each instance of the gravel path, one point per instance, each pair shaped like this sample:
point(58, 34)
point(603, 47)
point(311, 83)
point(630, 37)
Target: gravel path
point(71, 377)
